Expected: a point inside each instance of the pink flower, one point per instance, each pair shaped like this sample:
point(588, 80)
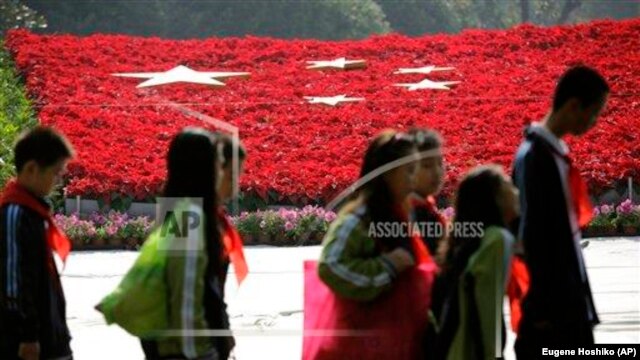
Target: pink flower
point(449, 212)
point(329, 216)
point(625, 208)
point(111, 230)
point(606, 209)
point(288, 226)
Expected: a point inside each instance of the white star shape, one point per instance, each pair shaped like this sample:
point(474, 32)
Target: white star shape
point(183, 74)
point(332, 100)
point(422, 70)
point(340, 63)
point(428, 84)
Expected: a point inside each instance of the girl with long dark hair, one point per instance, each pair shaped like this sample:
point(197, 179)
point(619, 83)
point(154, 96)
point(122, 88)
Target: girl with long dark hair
point(194, 270)
point(360, 259)
point(469, 291)
point(375, 271)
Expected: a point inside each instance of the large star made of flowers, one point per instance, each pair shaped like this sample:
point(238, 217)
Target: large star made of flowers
point(183, 74)
point(332, 100)
point(340, 64)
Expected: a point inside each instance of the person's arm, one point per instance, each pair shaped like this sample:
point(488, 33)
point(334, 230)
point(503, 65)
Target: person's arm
point(348, 269)
point(186, 265)
point(488, 269)
point(23, 259)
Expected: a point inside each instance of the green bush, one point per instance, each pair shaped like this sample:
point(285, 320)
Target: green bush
point(16, 113)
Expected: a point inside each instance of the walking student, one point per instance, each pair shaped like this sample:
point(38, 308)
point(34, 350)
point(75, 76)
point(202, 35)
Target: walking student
point(469, 291)
point(558, 307)
point(32, 304)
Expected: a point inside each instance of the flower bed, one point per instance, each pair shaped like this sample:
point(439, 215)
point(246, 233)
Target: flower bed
point(111, 230)
point(289, 227)
point(305, 226)
point(298, 152)
point(610, 220)
point(282, 227)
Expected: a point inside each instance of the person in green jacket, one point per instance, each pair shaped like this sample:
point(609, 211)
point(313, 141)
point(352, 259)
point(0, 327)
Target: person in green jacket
point(359, 260)
point(469, 291)
point(194, 264)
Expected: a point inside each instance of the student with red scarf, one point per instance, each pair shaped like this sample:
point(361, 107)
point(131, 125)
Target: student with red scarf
point(428, 182)
point(558, 308)
point(233, 248)
point(375, 273)
point(32, 304)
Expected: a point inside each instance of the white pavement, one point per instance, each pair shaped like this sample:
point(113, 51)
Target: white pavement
point(267, 310)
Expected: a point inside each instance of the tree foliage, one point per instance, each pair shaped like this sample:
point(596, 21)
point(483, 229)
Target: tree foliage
point(321, 19)
point(328, 19)
point(14, 14)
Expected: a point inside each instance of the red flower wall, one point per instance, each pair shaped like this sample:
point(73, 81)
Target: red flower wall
point(303, 151)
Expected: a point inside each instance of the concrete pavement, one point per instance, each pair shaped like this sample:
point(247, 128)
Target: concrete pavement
point(267, 310)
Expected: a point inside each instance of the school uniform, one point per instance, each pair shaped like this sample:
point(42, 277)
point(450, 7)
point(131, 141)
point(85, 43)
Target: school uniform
point(196, 297)
point(32, 302)
point(558, 307)
point(467, 308)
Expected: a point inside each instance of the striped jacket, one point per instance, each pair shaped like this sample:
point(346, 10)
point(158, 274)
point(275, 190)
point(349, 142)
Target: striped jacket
point(32, 303)
point(196, 302)
point(351, 263)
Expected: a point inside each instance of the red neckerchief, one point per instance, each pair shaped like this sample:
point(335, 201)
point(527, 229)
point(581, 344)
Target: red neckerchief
point(517, 288)
point(233, 247)
point(420, 251)
point(579, 195)
point(57, 241)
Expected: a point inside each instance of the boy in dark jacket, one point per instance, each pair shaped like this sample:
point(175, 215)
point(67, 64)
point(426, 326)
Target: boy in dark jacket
point(32, 304)
point(558, 307)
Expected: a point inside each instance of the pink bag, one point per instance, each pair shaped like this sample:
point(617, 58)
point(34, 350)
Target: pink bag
point(390, 327)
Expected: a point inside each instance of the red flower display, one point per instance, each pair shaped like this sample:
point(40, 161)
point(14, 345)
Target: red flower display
point(303, 151)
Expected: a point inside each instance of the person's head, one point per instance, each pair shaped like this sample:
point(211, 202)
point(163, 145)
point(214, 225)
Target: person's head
point(430, 174)
point(387, 183)
point(580, 96)
point(396, 183)
point(229, 151)
point(485, 197)
point(40, 157)
point(194, 164)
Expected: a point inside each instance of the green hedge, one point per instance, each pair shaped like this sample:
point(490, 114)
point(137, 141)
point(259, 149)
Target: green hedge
point(16, 113)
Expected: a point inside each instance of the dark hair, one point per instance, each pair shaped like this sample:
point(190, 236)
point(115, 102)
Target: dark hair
point(191, 165)
point(426, 139)
point(228, 149)
point(43, 145)
point(388, 146)
point(581, 82)
point(476, 202)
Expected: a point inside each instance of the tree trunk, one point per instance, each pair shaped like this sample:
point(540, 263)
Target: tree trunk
point(569, 6)
point(524, 10)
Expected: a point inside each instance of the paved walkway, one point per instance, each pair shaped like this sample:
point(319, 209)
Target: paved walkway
point(267, 310)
